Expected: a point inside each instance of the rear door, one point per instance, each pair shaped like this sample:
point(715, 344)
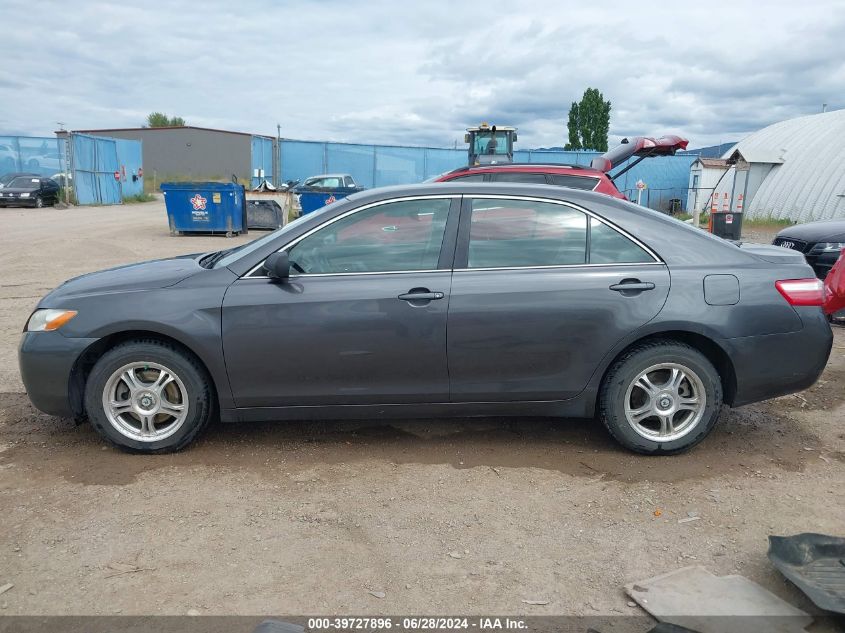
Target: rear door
point(541, 291)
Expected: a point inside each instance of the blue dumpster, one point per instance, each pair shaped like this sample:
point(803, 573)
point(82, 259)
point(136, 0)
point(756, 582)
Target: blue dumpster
point(311, 201)
point(205, 207)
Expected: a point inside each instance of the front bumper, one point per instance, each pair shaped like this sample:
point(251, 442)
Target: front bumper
point(778, 364)
point(46, 361)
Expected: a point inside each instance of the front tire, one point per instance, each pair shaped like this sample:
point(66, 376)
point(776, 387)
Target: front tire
point(39, 202)
point(660, 398)
point(147, 396)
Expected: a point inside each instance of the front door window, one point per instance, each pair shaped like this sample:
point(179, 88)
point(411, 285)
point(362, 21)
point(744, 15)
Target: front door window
point(403, 235)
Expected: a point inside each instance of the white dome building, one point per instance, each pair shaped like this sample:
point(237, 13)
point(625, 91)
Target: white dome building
point(794, 169)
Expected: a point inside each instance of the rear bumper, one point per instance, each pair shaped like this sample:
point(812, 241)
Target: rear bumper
point(778, 364)
point(46, 361)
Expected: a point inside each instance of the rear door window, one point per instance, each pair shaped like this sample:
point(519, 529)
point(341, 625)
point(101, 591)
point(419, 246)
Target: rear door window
point(522, 233)
point(574, 182)
point(520, 177)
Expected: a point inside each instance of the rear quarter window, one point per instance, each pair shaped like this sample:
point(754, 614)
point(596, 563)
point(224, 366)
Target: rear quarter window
point(609, 246)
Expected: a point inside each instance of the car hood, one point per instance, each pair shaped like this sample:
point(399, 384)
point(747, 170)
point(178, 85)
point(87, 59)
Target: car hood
point(823, 231)
point(158, 273)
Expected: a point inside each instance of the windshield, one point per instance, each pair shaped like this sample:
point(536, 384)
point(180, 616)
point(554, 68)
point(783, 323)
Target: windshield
point(324, 182)
point(24, 183)
point(239, 251)
point(491, 143)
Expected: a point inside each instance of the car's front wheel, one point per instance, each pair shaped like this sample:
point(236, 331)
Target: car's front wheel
point(147, 396)
point(39, 202)
point(661, 397)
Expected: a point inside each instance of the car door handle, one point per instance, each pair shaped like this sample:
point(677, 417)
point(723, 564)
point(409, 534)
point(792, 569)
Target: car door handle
point(421, 295)
point(634, 285)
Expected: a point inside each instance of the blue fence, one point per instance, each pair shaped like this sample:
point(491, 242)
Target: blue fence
point(95, 162)
point(130, 157)
point(262, 160)
point(40, 155)
point(96, 159)
point(667, 177)
point(105, 170)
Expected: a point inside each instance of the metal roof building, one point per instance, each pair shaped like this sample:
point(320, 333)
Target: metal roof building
point(199, 153)
point(793, 169)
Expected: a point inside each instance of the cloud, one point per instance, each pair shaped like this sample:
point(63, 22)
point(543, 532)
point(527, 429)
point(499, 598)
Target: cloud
point(419, 73)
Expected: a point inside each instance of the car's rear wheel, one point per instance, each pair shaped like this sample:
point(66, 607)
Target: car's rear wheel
point(661, 397)
point(146, 396)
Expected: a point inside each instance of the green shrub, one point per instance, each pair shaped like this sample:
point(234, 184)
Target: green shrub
point(138, 197)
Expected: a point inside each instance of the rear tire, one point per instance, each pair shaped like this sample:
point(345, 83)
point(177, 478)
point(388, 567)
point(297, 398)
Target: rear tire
point(147, 396)
point(660, 398)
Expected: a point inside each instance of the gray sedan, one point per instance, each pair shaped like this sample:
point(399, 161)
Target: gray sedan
point(445, 299)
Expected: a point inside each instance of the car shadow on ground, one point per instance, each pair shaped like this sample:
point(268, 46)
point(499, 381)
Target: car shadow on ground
point(756, 440)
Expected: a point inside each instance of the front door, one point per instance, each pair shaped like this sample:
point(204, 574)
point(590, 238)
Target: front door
point(540, 293)
point(362, 319)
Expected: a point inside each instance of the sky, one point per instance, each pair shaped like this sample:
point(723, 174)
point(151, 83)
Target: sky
point(419, 73)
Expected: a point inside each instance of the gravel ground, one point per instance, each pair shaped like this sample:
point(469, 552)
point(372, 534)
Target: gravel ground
point(462, 516)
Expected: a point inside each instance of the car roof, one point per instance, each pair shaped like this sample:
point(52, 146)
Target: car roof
point(552, 168)
point(460, 187)
point(329, 176)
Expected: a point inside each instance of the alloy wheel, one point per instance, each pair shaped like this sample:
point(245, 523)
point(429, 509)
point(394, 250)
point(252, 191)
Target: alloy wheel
point(145, 401)
point(665, 402)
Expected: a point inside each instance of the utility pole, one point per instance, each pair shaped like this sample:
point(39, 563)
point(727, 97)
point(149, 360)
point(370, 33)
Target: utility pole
point(278, 156)
point(67, 170)
point(824, 108)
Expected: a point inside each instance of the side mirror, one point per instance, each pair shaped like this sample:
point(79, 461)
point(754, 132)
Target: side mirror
point(277, 266)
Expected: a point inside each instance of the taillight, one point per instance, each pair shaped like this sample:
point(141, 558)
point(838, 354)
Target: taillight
point(802, 292)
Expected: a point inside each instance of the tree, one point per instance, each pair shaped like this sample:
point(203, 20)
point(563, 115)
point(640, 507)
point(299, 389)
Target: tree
point(159, 119)
point(589, 122)
point(572, 125)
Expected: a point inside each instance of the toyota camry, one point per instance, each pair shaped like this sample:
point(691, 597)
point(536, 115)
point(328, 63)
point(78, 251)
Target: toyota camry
point(446, 299)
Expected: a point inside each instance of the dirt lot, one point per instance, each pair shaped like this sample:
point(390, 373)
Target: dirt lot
point(442, 517)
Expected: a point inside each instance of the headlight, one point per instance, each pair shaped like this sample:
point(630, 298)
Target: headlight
point(24, 195)
point(827, 247)
point(49, 320)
